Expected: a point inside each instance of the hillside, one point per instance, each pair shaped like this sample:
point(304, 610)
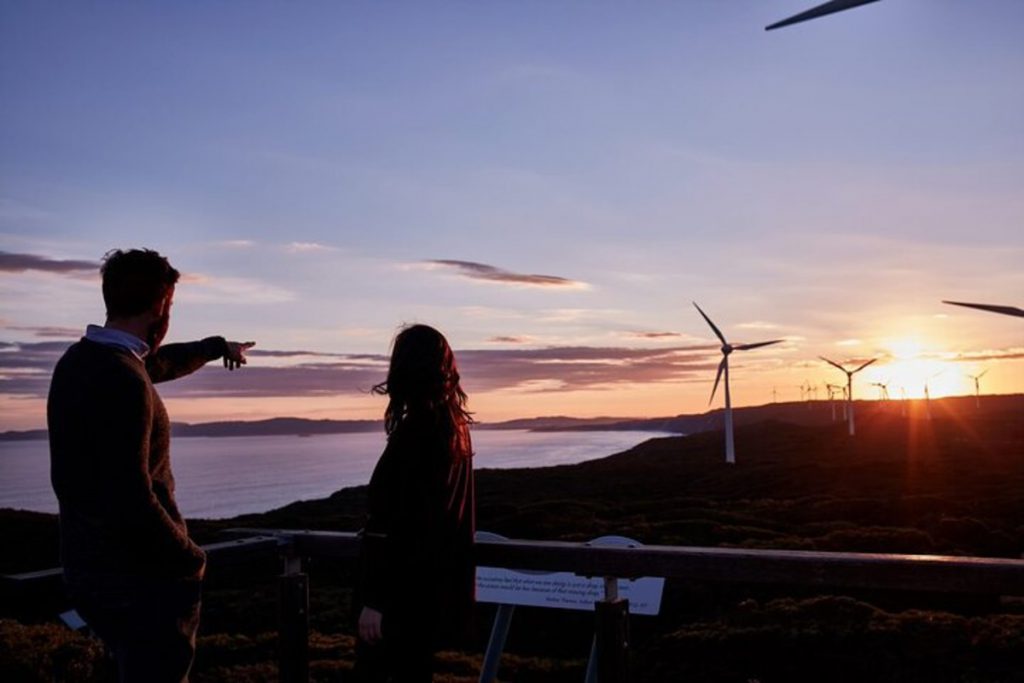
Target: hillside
point(951, 485)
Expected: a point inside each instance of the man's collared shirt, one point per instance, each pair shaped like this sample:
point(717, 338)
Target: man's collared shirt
point(111, 337)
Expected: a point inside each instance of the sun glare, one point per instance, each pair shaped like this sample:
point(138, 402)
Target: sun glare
point(913, 367)
point(904, 349)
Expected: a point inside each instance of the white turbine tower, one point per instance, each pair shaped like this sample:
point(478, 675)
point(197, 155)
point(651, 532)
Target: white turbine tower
point(723, 369)
point(977, 388)
point(849, 388)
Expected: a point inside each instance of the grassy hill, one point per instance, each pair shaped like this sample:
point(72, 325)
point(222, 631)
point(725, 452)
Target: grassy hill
point(952, 485)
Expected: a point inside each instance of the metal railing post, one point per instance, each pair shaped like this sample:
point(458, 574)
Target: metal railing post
point(293, 621)
point(496, 644)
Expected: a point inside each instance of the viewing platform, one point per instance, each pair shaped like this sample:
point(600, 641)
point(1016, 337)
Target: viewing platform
point(290, 549)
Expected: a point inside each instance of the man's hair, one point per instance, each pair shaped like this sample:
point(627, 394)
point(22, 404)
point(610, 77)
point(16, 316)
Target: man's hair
point(135, 280)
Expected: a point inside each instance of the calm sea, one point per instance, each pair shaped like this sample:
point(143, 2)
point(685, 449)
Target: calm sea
point(228, 476)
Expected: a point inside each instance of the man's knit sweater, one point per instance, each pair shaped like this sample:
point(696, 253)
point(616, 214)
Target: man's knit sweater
point(110, 462)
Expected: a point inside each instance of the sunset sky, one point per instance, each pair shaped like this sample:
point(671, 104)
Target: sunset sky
point(549, 183)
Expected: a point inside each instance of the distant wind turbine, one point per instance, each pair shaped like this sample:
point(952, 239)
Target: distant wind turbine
point(723, 369)
point(883, 390)
point(809, 393)
point(991, 308)
point(834, 389)
point(849, 387)
point(821, 10)
point(977, 388)
point(928, 396)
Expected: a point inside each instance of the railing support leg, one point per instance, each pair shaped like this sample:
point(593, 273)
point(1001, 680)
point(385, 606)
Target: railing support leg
point(293, 623)
point(496, 644)
point(612, 635)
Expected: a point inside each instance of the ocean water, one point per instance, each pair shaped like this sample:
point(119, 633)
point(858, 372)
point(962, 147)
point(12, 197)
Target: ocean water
point(227, 476)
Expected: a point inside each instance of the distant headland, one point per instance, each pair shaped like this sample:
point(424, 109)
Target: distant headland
point(808, 413)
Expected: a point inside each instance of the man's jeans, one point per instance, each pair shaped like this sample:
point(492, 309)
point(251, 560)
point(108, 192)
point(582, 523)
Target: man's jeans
point(149, 626)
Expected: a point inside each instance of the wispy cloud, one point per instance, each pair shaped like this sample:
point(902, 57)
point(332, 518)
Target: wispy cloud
point(235, 290)
point(307, 247)
point(757, 325)
point(581, 367)
point(25, 370)
point(655, 335)
point(488, 273)
point(46, 332)
point(991, 354)
point(502, 339)
point(19, 263)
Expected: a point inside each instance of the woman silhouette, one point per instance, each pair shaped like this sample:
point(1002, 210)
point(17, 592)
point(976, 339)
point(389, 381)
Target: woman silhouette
point(417, 580)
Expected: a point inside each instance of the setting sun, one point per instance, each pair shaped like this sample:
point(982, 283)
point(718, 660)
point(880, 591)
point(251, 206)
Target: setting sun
point(912, 365)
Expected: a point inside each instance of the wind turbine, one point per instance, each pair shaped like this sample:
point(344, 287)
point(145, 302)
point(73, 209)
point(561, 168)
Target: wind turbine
point(821, 10)
point(849, 387)
point(723, 369)
point(928, 396)
point(833, 389)
point(977, 388)
point(991, 308)
point(883, 390)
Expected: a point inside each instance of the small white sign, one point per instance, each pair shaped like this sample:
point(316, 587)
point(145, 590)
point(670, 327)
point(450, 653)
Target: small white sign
point(564, 590)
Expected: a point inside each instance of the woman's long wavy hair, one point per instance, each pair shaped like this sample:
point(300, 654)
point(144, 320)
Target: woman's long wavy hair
point(424, 379)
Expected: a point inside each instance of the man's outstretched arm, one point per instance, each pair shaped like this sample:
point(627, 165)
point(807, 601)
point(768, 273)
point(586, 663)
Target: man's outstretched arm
point(177, 360)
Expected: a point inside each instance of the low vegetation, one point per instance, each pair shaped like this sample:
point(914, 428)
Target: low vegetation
point(949, 486)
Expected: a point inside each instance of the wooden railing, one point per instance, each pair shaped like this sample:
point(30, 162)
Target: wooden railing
point(861, 571)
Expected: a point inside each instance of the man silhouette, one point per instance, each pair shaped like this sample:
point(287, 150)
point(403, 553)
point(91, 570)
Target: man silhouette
point(129, 565)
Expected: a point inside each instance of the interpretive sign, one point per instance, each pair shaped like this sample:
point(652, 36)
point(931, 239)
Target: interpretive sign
point(564, 590)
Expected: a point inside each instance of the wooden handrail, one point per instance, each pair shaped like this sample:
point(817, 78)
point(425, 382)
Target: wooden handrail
point(221, 556)
point(929, 573)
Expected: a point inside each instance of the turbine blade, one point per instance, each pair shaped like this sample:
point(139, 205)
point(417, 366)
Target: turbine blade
point(718, 333)
point(832, 363)
point(982, 374)
point(865, 365)
point(991, 308)
point(721, 369)
point(821, 10)
point(747, 347)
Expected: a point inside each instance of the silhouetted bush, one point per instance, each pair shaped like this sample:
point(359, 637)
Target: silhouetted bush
point(50, 652)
